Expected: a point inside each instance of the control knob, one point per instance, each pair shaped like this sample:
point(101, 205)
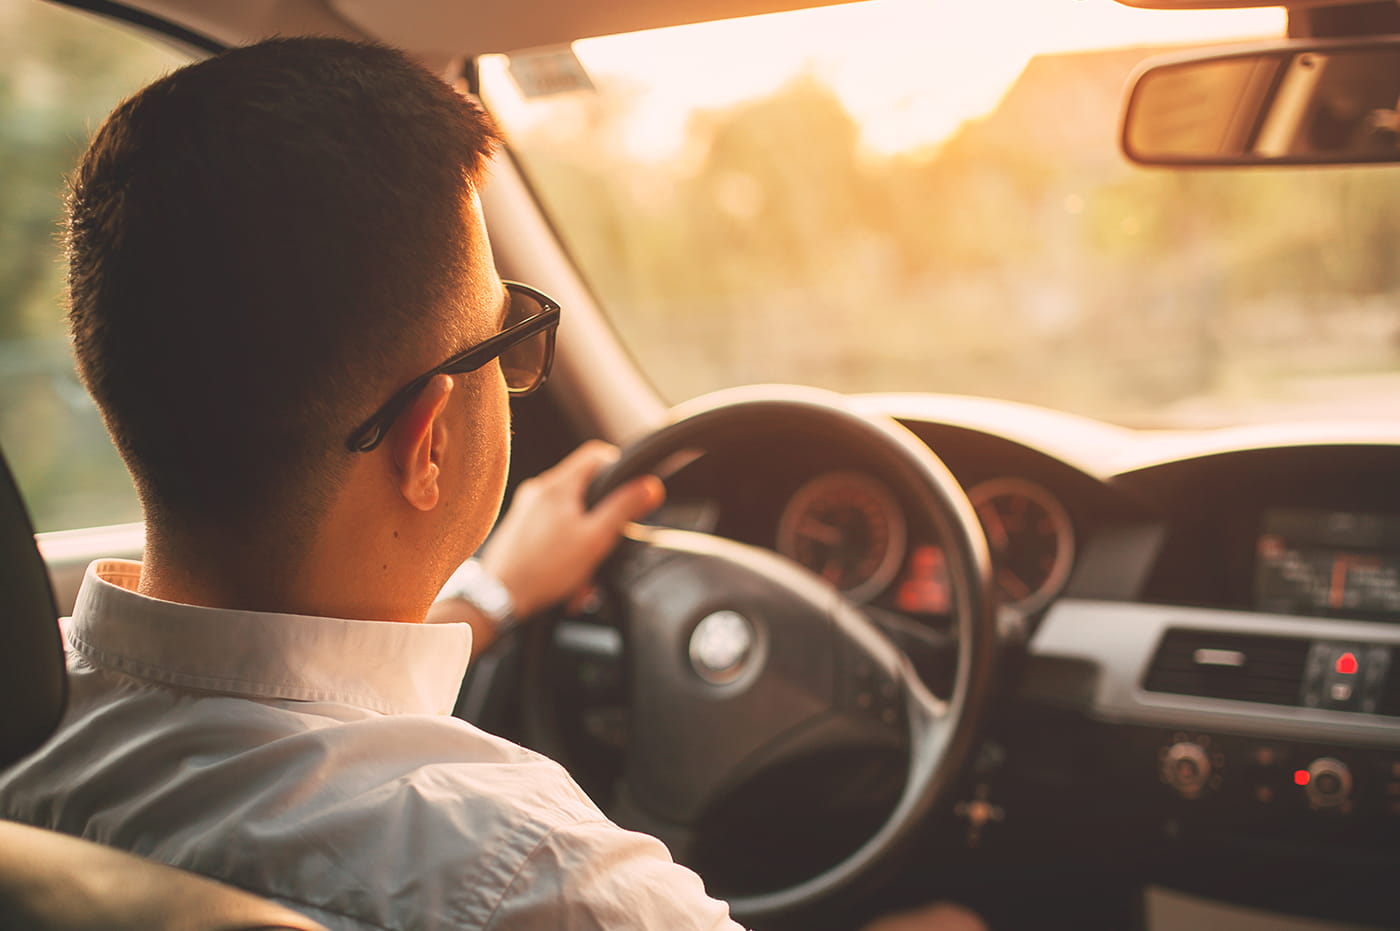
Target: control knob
point(1186, 768)
point(1329, 783)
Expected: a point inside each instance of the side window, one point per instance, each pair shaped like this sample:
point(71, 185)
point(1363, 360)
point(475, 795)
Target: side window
point(60, 73)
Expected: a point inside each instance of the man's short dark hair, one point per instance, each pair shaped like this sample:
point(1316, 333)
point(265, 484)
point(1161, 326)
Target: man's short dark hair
point(256, 241)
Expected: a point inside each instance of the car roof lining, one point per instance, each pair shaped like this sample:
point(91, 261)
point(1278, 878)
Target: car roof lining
point(436, 31)
point(1238, 4)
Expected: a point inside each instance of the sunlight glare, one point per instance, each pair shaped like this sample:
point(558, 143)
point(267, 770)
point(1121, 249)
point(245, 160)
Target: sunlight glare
point(878, 57)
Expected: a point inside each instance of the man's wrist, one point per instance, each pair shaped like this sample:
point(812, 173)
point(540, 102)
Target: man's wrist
point(478, 587)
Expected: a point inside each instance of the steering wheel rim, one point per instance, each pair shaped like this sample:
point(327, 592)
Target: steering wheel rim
point(941, 734)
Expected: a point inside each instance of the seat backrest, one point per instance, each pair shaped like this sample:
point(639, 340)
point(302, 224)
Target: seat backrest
point(50, 882)
point(33, 683)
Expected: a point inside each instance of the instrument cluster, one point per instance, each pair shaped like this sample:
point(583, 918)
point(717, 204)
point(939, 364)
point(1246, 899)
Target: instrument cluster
point(848, 527)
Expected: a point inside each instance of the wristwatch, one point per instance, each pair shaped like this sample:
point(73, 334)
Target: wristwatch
point(479, 588)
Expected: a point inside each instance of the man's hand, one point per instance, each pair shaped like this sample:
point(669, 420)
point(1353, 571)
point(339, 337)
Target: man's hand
point(937, 916)
point(547, 546)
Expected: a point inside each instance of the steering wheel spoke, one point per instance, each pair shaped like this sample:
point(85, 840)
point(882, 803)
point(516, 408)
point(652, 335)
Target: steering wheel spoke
point(881, 690)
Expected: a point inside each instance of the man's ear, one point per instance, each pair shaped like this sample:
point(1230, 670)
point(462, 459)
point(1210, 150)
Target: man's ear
point(416, 443)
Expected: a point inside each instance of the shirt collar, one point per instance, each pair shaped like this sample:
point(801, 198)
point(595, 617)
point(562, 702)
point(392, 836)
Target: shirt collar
point(392, 668)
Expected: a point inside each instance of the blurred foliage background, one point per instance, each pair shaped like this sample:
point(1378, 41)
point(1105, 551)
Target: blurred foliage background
point(60, 73)
point(1021, 258)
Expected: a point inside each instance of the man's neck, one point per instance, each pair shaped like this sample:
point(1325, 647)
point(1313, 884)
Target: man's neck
point(352, 576)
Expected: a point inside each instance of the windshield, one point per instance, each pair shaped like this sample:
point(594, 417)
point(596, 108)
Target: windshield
point(902, 196)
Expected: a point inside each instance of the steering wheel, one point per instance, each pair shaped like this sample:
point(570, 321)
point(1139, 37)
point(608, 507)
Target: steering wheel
point(741, 660)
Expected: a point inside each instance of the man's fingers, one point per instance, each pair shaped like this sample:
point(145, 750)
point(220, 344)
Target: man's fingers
point(632, 501)
point(939, 916)
point(577, 469)
point(591, 456)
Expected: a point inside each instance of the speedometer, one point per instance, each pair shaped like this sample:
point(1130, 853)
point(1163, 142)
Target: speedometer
point(1031, 539)
point(846, 527)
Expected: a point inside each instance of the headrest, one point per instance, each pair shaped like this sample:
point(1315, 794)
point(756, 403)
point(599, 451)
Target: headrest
point(33, 683)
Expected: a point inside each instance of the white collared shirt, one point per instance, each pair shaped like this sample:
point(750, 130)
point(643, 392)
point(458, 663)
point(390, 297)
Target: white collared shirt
point(313, 761)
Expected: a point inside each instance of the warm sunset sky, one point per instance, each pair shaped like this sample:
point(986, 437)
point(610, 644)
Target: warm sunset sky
point(908, 70)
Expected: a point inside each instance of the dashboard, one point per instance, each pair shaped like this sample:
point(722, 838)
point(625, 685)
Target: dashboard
point(1209, 684)
point(1221, 520)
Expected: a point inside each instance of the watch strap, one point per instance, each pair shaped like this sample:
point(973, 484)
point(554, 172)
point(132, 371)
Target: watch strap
point(475, 585)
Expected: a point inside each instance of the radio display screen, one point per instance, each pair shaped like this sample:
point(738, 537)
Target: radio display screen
point(1328, 564)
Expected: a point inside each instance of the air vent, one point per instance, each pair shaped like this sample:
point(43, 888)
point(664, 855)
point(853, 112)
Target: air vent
point(1390, 693)
point(1239, 667)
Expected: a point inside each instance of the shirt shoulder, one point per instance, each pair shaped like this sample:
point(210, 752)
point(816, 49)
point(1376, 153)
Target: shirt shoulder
point(387, 821)
point(592, 875)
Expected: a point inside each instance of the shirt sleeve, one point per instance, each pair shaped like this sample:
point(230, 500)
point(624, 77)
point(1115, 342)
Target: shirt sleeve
point(593, 875)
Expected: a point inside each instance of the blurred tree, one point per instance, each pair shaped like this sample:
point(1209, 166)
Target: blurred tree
point(1021, 258)
point(60, 73)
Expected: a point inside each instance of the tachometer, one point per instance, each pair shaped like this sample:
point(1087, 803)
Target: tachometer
point(1031, 538)
point(848, 528)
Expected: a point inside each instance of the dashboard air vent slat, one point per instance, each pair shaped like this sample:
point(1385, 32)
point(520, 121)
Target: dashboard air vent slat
point(1238, 667)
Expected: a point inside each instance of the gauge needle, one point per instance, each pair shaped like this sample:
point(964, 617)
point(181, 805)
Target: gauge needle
point(819, 531)
point(1336, 593)
point(1013, 585)
point(995, 529)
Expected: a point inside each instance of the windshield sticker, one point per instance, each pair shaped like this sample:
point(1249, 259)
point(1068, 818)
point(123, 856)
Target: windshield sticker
point(547, 72)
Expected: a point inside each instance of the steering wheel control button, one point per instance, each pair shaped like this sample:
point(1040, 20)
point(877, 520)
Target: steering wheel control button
point(870, 692)
point(721, 645)
point(1329, 784)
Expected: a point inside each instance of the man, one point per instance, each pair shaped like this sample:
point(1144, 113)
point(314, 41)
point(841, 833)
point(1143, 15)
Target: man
point(268, 251)
point(284, 303)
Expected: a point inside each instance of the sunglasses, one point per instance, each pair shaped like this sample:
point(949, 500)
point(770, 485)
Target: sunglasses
point(525, 347)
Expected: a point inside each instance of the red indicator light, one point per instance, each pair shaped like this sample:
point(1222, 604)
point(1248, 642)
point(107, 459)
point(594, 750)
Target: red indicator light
point(1346, 664)
point(925, 586)
point(1300, 777)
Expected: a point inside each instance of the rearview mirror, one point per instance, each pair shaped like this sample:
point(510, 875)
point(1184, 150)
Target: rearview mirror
point(1285, 103)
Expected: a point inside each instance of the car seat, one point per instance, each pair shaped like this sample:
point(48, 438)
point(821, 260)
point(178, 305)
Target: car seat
point(49, 881)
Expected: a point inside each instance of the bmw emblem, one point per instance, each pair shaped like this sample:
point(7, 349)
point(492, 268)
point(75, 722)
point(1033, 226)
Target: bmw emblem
point(720, 646)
